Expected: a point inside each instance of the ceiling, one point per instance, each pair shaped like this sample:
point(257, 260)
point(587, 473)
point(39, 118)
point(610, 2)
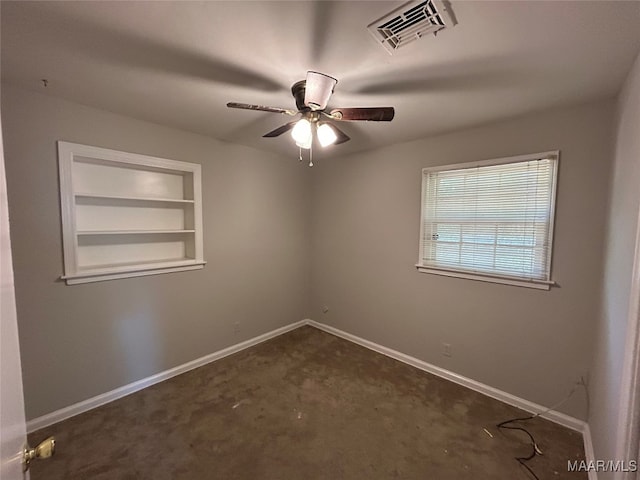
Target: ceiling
point(179, 63)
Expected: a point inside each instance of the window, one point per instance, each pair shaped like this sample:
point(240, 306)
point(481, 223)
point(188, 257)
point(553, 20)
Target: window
point(490, 220)
point(127, 215)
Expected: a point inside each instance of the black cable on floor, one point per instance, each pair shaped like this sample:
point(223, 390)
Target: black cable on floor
point(522, 460)
point(534, 445)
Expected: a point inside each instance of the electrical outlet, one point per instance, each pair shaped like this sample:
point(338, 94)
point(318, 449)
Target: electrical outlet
point(446, 349)
point(236, 328)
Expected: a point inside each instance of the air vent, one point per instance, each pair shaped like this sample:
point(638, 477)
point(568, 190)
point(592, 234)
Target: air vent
point(410, 22)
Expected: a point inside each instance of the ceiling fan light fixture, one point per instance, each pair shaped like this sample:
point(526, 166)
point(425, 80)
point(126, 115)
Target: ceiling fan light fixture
point(301, 133)
point(326, 135)
point(306, 145)
point(318, 89)
point(311, 96)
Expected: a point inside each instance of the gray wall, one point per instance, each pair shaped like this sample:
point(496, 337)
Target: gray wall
point(80, 341)
point(365, 228)
point(611, 330)
point(347, 231)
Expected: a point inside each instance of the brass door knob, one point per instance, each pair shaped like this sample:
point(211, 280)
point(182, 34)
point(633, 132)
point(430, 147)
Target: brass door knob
point(45, 449)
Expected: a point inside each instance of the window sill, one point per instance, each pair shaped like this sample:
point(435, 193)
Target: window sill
point(483, 277)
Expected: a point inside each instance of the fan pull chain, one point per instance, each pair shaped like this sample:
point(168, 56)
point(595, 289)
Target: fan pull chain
point(310, 156)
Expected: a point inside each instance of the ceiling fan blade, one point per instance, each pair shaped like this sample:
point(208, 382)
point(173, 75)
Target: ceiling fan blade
point(342, 137)
point(368, 114)
point(318, 89)
point(280, 130)
point(262, 108)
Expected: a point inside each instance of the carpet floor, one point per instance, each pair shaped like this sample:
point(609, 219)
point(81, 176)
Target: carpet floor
point(305, 405)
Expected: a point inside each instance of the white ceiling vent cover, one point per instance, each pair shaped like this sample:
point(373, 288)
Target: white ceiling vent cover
point(410, 22)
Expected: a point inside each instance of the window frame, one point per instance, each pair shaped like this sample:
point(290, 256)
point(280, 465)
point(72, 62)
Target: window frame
point(486, 276)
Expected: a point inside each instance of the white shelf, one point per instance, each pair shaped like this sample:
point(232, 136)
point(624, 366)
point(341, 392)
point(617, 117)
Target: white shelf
point(130, 232)
point(132, 199)
point(126, 215)
point(99, 273)
point(132, 266)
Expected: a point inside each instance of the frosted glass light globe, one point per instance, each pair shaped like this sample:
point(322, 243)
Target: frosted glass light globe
point(301, 133)
point(326, 135)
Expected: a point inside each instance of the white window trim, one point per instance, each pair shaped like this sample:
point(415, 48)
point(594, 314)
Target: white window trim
point(484, 276)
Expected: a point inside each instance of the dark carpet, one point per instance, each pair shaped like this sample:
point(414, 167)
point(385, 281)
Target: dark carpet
point(305, 405)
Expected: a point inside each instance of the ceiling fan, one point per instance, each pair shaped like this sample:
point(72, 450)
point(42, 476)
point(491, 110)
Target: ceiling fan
point(312, 96)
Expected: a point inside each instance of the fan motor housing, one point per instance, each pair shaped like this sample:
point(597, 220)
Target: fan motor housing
point(298, 90)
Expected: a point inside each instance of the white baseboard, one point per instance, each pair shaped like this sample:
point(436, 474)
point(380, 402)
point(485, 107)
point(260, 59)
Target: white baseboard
point(556, 417)
point(91, 403)
point(589, 454)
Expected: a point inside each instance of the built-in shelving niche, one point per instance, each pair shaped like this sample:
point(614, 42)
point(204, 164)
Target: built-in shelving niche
point(126, 214)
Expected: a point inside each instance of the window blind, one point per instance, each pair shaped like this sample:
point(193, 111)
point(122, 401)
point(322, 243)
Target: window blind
point(492, 219)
